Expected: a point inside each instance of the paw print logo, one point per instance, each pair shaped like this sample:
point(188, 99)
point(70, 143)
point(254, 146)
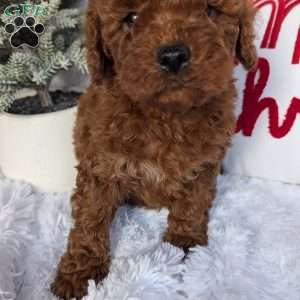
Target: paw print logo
point(24, 32)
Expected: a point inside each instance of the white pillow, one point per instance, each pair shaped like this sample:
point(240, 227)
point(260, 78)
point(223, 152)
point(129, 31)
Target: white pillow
point(267, 141)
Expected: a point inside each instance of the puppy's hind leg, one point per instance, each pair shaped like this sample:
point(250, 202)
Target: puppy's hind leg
point(87, 257)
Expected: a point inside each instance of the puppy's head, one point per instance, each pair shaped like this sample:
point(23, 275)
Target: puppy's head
point(169, 52)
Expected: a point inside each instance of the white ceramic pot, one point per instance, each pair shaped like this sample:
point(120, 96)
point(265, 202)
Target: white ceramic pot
point(39, 149)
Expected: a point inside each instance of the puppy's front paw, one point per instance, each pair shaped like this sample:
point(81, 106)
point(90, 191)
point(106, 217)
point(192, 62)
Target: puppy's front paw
point(184, 241)
point(75, 285)
point(67, 287)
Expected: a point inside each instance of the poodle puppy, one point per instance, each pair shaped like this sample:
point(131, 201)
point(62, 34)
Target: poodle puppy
point(154, 125)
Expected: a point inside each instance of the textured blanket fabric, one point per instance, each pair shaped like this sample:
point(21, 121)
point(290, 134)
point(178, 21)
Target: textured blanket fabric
point(253, 251)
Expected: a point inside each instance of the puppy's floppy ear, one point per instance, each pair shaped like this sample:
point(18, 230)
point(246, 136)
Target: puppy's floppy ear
point(245, 49)
point(99, 63)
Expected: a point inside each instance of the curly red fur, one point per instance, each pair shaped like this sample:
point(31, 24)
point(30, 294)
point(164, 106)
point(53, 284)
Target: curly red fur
point(145, 138)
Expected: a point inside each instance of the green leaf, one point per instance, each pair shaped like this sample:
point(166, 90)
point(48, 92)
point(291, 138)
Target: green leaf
point(6, 99)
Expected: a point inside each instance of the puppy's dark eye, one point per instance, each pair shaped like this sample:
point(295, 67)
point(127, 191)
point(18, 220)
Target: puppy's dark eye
point(211, 11)
point(130, 19)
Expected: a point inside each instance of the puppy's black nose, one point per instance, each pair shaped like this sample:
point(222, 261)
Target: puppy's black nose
point(173, 58)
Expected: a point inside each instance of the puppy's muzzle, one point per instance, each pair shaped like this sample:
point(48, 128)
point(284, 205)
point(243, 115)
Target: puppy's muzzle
point(173, 58)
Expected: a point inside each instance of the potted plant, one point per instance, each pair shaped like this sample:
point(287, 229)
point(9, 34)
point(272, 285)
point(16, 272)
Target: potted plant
point(35, 124)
